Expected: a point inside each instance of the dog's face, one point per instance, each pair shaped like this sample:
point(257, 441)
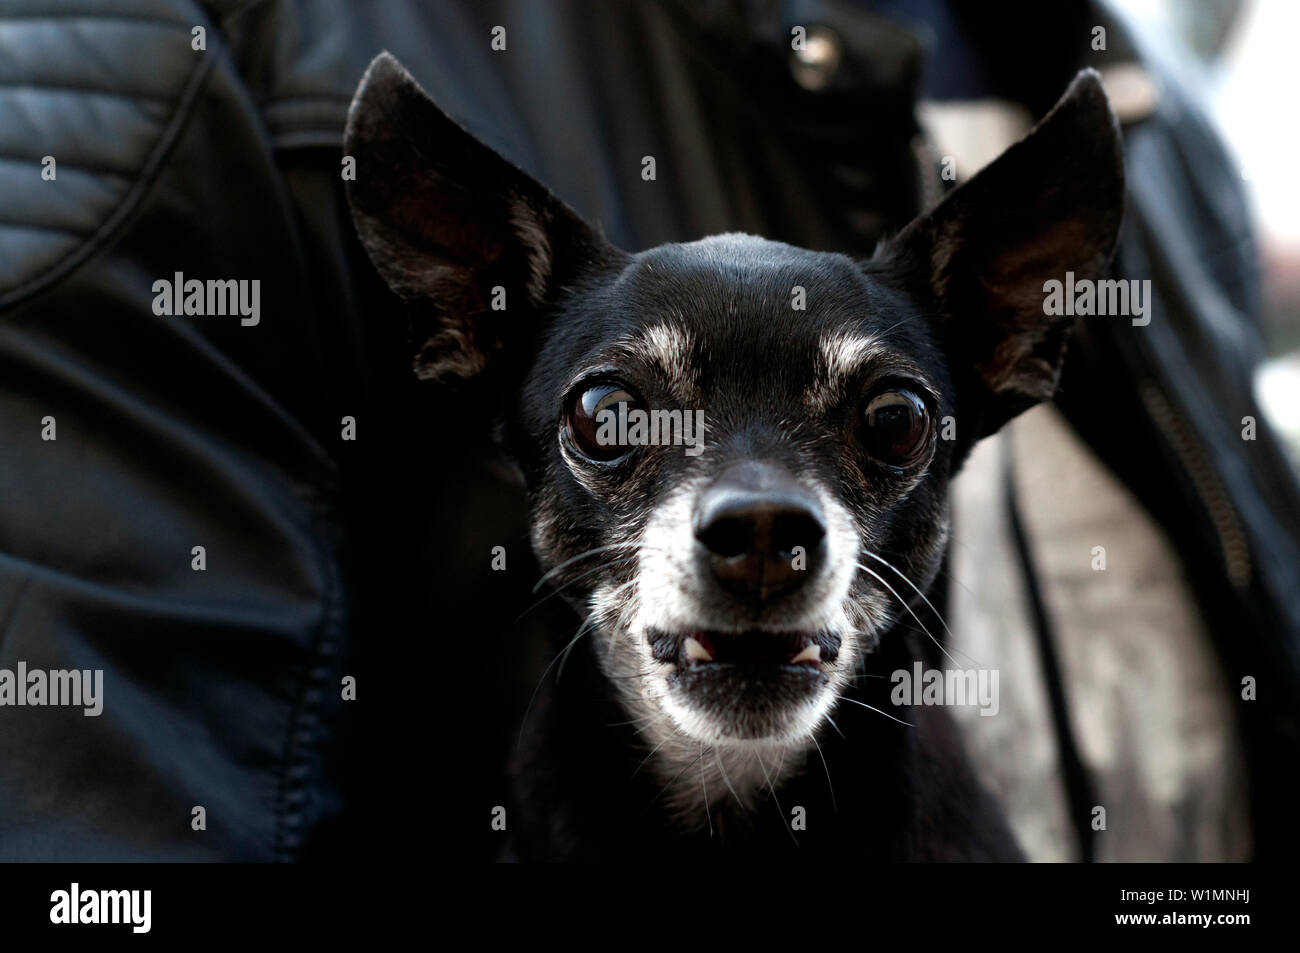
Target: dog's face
point(737, 451)
point(727, 578)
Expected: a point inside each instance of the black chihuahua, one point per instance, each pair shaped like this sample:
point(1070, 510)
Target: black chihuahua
point(737, 455)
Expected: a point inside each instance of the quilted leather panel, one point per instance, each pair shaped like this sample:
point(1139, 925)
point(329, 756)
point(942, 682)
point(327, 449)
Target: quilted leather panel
point(70, 89)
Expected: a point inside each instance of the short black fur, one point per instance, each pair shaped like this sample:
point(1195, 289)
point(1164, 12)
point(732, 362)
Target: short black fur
point(950, 310)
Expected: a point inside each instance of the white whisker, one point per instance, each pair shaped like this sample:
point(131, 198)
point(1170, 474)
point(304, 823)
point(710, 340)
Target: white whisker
point(827, 768)
point(775, 800)
point(918, 591)
point(704, 785)
point(854, 701)
point(903, 602)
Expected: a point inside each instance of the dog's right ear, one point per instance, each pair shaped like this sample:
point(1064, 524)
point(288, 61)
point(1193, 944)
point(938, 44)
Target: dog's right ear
point(1049, 207)
point(474, 245)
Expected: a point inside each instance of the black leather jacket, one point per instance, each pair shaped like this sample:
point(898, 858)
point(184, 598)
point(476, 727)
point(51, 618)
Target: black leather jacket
point(222, 685)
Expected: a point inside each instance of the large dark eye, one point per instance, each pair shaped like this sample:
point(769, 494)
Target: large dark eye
point(896, 428)
point(597, 418)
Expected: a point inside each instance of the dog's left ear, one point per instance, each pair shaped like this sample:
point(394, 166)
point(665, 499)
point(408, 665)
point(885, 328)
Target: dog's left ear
point(1051, 204)
point(473, 244)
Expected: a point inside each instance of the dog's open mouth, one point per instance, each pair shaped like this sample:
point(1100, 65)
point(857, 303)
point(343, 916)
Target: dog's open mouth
point(746, 686)
point(750, 650)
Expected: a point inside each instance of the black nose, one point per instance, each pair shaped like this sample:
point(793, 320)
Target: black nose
point(762, 532)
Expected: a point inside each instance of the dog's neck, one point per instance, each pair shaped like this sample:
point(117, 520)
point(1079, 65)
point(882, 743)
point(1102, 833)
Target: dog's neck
point(698, 779)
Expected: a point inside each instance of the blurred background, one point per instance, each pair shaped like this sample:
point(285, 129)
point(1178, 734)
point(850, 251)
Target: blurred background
point(1239, 56)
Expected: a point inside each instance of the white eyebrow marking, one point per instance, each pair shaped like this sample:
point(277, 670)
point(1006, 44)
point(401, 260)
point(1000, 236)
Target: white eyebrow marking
point(667, 347)
point(841, 355)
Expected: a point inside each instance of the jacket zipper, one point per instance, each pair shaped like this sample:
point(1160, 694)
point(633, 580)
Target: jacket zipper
point(1226, 522)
